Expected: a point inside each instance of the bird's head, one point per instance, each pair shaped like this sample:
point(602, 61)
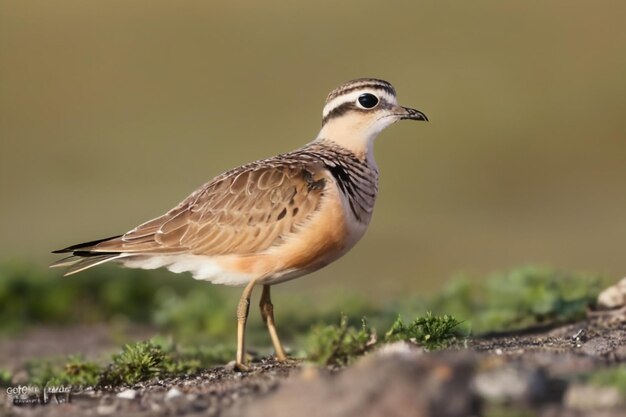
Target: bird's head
point(357, 111)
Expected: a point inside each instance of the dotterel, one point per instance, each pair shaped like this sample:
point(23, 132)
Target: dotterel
point(271, 220)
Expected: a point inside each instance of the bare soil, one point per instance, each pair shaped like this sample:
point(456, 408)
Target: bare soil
point(539, 371)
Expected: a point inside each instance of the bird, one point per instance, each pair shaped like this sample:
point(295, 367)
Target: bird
point(272, 220)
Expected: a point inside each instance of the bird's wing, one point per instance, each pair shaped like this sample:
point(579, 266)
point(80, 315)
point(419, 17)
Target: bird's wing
point(243, 211)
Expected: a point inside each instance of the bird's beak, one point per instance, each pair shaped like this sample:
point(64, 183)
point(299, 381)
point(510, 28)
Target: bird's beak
point(411, 114)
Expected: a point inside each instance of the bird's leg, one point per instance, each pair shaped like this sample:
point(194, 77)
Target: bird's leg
point(242, 316)
point(267, 312)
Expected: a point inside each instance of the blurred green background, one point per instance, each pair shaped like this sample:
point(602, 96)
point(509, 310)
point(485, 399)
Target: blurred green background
point(112, 112)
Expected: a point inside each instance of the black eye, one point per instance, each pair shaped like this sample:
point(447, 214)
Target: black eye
point(368, 101)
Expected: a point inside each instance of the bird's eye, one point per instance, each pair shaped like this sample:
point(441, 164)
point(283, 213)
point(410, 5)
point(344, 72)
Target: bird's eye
point(368, 101)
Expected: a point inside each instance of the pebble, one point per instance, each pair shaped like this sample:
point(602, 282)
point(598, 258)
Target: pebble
point(172, 394)
point(127, 394)
point(511, 383)
point(614, 296)
point(598, 346)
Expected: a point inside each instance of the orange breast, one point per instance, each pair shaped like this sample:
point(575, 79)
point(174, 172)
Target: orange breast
point(321, 240)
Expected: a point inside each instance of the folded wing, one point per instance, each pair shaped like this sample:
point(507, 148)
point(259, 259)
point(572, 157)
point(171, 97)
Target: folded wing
point(244, 211)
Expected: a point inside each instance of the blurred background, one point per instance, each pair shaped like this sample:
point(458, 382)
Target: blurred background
point(112, 112)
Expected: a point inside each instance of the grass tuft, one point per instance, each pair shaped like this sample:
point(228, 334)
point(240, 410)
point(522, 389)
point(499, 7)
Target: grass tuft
point(431, 332)
point(137, 362)
point(519, 298)
point(340, 345)
point(75, 371)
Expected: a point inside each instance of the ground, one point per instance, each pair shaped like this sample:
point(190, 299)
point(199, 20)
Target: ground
point(536, 372)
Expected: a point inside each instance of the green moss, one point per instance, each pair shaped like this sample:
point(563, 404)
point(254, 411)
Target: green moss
point(159, 358)
point(340, 345)
point(73, 371)
point(136, 362)
point(519, 298)
point(197, 313)
point(431, 332)
point(35, 295)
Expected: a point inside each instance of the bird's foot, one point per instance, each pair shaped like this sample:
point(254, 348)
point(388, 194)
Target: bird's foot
point(241, 367)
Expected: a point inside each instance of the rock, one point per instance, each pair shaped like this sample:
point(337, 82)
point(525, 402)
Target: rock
point(598, 346)
point(589, 397)
point(614, 296)
point(127, 394)
point(399, 384)
point(511, 383)
point(172, 394)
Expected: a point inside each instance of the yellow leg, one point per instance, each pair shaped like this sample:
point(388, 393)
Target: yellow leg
point(242, 316)
point(267, 312)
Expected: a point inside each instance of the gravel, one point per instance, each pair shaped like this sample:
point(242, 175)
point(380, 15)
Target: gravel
point(538, 371)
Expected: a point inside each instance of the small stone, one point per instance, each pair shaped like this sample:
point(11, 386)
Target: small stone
point(172, 394)
point(598, 346)
point(614, 296)
point(511, 383)
point(127, 394)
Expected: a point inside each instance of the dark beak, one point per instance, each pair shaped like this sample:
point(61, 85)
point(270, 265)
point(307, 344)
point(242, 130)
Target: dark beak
point(412, 114)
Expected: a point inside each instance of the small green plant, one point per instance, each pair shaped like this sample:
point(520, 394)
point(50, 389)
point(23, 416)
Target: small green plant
point(191, 359)
point(431, 332)
point(137, 362)
point(519, 298)
point(74, 371)
point(340, 345)
point(79, 372)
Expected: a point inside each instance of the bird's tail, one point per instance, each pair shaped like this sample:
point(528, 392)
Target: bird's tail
point(83, 256)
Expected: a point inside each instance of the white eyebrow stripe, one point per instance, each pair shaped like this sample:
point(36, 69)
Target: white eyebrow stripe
point(353, 95)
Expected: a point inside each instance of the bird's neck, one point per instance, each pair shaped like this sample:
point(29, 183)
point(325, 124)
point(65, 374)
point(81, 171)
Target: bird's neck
point(357, 139)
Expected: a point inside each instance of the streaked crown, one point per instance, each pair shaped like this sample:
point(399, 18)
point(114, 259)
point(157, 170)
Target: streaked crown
point(360, 95)
point(357, 111)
